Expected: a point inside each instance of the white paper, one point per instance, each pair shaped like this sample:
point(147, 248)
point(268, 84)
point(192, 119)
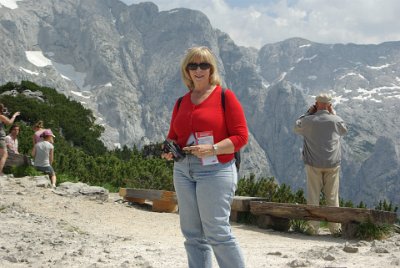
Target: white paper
point(206, 137)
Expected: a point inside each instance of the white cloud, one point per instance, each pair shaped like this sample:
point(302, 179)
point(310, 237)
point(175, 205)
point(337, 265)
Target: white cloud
point(256, 23)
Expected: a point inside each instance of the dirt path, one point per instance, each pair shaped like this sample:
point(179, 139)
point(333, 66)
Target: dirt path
point(39, 228)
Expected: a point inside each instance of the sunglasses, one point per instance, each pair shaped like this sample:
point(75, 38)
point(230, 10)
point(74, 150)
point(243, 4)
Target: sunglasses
point(203, 65)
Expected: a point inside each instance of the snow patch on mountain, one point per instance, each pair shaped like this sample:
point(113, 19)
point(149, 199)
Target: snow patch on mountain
point(352, 74)
point(66, 78)
point(378, 93)
point(28, 71)
point(68, 72)
point(80, 94)
point(311, 58)
point(379, 67)
point(339, 99)
point(11, 4)
point(282, 76)
point(37, 58)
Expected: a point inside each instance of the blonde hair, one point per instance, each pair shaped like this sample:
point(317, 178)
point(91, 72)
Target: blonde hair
point(202, 54)
point(38, 124)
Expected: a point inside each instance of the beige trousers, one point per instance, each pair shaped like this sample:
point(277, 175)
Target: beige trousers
point(326, 180)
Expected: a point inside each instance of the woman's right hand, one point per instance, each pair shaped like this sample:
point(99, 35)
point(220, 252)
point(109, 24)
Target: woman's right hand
point(168, 156)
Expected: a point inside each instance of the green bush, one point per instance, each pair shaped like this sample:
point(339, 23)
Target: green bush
point(22, 171)
point(386, 206)
point(299, 226)
point(79, 154)
point(269, 189)
point(370, 231)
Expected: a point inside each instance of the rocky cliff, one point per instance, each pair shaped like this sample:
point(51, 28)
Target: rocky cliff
point(123, 63)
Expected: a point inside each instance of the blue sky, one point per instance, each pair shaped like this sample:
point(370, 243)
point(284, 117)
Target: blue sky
point(258, 22)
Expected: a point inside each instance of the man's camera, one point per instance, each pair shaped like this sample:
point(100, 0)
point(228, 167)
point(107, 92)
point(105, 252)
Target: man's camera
point(172, 147)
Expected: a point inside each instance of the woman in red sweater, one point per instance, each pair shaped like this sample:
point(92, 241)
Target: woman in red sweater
point(206, 179)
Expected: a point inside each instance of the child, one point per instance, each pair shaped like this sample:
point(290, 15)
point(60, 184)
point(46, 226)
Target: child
point(43, 153)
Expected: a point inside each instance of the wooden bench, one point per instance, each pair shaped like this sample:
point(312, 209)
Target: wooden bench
point(241, 206)
point(278, 215)
point(17, 160)
point(163, 201)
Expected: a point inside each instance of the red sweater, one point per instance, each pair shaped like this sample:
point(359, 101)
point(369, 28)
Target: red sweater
point(210, 115)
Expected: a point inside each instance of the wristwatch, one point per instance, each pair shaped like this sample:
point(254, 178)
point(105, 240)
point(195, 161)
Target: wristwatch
point(215, 149)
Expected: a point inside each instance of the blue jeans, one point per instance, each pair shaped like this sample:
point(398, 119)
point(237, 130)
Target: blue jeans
point(205, 194)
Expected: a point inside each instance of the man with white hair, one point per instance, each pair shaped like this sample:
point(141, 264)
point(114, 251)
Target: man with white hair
point(322, 129)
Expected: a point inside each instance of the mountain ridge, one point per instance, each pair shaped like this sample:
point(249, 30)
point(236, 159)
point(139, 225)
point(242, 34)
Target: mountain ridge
point(123, 62)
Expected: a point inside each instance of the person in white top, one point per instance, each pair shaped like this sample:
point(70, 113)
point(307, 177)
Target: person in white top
point(12, 139)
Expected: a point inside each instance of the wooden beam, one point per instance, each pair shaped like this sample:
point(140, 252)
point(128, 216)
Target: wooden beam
point(330, 214)
point(163, 201)
point(164, 206)
point(242, 203)
point(135, 200)
point(148, 194)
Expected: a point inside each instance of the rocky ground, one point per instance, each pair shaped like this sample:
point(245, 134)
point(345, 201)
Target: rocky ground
point(80, 226)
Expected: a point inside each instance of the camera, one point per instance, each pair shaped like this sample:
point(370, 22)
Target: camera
point(172, 147)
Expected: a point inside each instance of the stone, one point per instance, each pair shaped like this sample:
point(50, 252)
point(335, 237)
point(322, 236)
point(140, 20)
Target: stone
point(350, 249)
point(43, 181)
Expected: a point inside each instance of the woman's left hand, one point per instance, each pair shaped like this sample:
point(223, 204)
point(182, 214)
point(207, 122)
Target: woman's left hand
point(200, 150)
